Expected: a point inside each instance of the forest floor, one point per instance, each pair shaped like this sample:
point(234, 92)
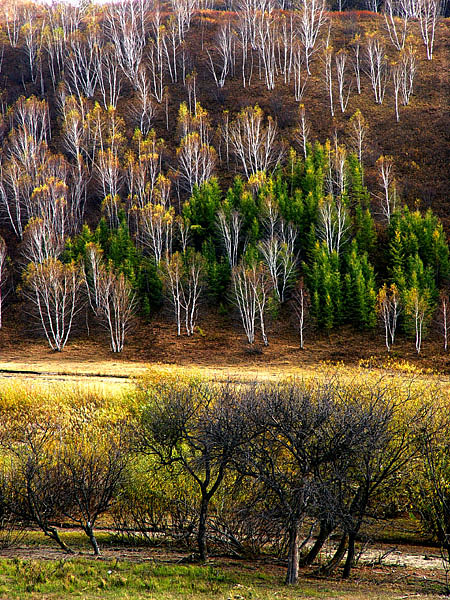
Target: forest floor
point(218, 349)
point(37, 570)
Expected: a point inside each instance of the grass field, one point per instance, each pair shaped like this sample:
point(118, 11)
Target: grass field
point(117, 579)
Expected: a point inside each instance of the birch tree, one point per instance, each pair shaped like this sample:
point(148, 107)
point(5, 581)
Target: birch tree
point(359, 130)
point(417, 310)
point(385, 165)
point(334, 223)
point(344, 87)
point(83, 61)
point(328, 63)
point(356, 47)
point(254, 142)
point(303, 131)
point(116, 304)
point(277, 252)
point(3, 275)
point(300, 304)
point(312, 17)
point(396, 19)
point(126, 29)
point(300, 80)
point(230, 225)
point(251, 288)
point(377, 67)
point(109, 77)
point(183, 278)
point(388, 309)
point(429, 13)
point(196, 161)
point(223, 66)
point(32, 35)
point(155, 227)
point(53, 290)
point(444, 317)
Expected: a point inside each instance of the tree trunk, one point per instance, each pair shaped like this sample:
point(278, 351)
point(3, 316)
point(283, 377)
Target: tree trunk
point(293, 553)
point(52, 533)
point(350, 556)
point(92, 539)
point(338, 556)
point(201, 535)
point(324, 532)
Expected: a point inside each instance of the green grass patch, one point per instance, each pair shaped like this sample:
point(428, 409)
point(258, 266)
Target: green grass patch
point(122, 580)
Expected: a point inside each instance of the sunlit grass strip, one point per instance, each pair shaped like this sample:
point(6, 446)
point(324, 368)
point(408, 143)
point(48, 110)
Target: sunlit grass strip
point(123, 580)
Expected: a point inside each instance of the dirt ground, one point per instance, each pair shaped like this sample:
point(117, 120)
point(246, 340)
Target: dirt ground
point(218, 348)
point(409, 571)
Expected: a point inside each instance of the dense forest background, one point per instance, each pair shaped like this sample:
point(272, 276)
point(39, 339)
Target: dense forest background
point(254, 159)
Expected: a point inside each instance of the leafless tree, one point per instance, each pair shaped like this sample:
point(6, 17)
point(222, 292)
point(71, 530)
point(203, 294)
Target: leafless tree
point(83, 62)
point(156, 66)
point(334, 223)
point(388, 308)
point(156, 229)
point(92, 273)
point(126, 29)
point(251, 287)
point(183, 279)
point(377, 67)
point(385, 166)
point(396, 19)
point(253, 142)
point(304, 130)
point(300, 80)
point(32, 34)
point(196, 161)
point(184, 11)
point(116, 304)
point(341, 76)
point(11, 196)
point(200, 428)
point(145, 106)
point(278, 254)
point(35, 491)
point(444, 317)
point(171, 44)
point(229, 225)
point(92, 462)
point(13, 18)
point(300, 303)
point(356, 47)
point(109, 77)
point(266, 42)
point(328, 80)
point(195, 269)
point(287, 40)
point(358, 134)
point(417, 311)
point(311, 20)
point(172, 274)
point(429, 13)
point(297, 455)
point(52, 288)
point(3, 275)
point(225, 49)
point(408, 69)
